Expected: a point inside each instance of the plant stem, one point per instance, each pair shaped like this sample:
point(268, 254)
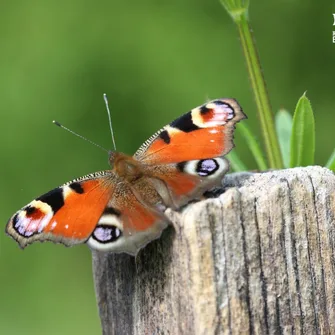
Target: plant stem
point(260, 92)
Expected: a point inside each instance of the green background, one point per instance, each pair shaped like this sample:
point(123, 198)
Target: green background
point(156, 60)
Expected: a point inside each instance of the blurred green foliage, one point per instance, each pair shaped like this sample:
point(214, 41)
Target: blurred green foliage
point(155, 60)
point(283, 121)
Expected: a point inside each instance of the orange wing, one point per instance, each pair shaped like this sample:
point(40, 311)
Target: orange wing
point(68, 214)
point(204, 132)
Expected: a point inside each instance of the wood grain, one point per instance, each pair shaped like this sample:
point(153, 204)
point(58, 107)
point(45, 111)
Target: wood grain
point(257, 259)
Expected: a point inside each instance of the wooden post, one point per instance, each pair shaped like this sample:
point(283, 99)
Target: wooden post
point(258, 259)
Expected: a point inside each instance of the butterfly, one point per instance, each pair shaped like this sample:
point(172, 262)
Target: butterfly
point(122, 209)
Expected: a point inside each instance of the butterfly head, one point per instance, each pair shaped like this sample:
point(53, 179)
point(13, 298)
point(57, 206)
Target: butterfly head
point(111, 157)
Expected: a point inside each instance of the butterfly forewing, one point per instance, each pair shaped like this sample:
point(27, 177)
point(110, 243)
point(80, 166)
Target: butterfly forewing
point(204, 132)
point(67, 214)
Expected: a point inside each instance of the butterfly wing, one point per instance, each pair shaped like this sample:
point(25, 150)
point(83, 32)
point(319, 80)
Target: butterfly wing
point(99, 209)
point(204, 132)
point(67, 214)
point(185, 158)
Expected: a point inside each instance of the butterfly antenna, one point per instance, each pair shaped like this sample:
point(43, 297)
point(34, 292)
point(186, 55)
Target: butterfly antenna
point(82, 137)
point(110, 119)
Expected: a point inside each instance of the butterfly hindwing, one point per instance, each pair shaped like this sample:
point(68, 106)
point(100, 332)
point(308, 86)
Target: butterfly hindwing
point(128, 223)
point(178, 183)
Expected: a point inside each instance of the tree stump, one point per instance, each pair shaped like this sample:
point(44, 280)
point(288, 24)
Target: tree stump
point(257, 259)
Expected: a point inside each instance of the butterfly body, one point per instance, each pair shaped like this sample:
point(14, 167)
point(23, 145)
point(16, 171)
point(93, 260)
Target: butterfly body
point(121, 210)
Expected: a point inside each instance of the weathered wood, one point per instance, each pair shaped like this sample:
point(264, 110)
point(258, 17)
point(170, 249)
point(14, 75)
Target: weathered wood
point(259, 259)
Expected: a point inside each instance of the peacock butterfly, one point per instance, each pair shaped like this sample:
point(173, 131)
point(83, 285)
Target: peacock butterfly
point(122, 209)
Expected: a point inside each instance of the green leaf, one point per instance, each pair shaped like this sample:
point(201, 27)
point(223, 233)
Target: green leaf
point(303, 134)
point(284, 130)
point(235, 162)
point(253, 146)
point(331, 162)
